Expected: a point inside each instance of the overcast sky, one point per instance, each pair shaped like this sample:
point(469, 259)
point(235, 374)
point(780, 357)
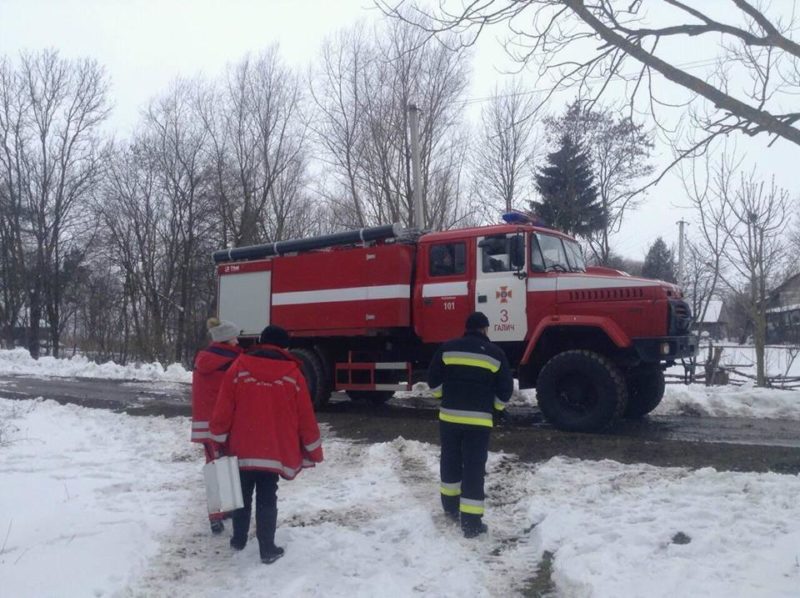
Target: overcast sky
point(145, 44)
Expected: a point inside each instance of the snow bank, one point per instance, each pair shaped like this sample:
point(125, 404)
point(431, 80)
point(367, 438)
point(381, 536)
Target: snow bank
point(729, 401)
point(19, 361)
point(86, 495)
point(714, 401)
point(621, 530)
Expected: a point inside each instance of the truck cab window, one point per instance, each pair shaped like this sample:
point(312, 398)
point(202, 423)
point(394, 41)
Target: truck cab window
point(496, 254)
point(447, 259)
point(537, 261)
point(575, 256)
point(553, 253)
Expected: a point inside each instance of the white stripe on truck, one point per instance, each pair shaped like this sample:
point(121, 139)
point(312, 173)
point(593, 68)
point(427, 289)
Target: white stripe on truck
point(389, 291)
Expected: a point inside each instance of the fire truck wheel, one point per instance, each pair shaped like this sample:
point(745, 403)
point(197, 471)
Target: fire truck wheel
point(581, 391)
point(315, 376)
point(645, 390)
point(376, 397)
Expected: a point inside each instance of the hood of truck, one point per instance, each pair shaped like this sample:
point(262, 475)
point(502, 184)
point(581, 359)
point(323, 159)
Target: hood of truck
point(595, 285)
point(639, 306)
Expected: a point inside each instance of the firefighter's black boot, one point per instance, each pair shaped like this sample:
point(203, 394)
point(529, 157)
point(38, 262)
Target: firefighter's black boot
point(473, 531)
point(450, 507)
point(472, 525)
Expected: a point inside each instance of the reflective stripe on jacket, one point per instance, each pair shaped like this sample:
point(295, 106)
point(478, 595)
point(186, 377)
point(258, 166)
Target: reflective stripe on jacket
point(264, 414)
point(473, 379)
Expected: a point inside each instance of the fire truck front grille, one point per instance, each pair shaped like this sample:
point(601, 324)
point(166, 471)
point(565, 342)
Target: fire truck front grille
point(606, 294)
point(679, 317)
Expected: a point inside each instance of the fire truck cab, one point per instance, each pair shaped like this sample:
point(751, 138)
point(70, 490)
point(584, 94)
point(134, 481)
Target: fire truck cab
point(366, 311)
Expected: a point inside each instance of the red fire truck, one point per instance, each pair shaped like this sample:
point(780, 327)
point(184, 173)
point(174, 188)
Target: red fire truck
point(367, 309)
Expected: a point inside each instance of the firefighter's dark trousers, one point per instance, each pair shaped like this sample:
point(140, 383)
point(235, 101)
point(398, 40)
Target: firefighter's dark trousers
point(265, 484)
point(462, 468)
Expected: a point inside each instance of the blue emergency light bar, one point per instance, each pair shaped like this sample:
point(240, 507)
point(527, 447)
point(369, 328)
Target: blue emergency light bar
point(517, 217)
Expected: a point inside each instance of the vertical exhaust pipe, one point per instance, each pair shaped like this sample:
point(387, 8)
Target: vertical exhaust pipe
point(413, 119)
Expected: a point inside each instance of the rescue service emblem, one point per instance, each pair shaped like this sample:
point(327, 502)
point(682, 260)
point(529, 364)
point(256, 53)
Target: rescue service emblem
point(504, 294)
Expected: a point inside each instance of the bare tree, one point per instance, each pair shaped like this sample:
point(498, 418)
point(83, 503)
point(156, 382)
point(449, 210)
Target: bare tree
point(50, 164)
point(178, 144)
point(597, 45)
point(337, 88)
point(362, 91)
point(756, 227)
point(701, 278)
point(707, 185)
point(257, 133)
point(504, 153)
point(743, 221)
point(12, 182)
point(131, 211)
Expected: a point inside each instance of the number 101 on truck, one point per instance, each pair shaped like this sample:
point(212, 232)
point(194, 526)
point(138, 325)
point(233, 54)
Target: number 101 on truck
point(366, 310)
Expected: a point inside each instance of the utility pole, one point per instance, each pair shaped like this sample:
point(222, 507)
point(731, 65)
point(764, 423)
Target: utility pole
point(413, 119)
point(681, 237)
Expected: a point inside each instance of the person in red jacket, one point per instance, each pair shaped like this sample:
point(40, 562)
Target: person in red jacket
point(210, 365)
point(265, 418)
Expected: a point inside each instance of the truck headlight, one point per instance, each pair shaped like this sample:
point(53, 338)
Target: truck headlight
point(664, 348)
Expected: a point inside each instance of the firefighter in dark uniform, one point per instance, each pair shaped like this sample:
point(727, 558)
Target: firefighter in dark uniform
point(472, 377)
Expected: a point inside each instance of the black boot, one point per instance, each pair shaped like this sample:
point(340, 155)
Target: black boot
point(241, 526)
point(472, 525)
point(473, 531)
point(271, 554)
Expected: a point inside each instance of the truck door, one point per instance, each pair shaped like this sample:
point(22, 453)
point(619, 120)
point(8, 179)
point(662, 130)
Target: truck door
point(444, 300)
point(500, 285)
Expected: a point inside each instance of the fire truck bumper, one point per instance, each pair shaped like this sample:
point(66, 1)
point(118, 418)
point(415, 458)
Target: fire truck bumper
point(665, 348)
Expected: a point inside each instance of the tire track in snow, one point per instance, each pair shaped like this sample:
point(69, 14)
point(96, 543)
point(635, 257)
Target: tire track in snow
point(511, 558)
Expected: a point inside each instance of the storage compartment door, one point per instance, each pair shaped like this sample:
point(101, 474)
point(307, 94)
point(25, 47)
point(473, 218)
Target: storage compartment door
point(244, 299)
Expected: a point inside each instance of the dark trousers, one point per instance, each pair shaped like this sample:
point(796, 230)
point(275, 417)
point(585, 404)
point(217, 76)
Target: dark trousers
point(265, 484)
point(463, 460)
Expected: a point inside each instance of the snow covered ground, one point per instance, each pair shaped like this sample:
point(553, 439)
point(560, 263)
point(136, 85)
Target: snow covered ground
point(94, 503)
point(694, 400)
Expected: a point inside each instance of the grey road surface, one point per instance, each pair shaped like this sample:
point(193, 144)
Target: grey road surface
point(736, 444)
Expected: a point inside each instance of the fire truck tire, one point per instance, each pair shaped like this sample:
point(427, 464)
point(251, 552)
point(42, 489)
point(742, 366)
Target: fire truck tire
point(327, 368)
point(376, 397)
point(581, 391)
point(645, 390)
point(314, 374)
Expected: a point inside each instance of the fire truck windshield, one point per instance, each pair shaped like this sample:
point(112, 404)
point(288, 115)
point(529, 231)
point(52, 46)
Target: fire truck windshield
point(550, 253)
point(575, 256)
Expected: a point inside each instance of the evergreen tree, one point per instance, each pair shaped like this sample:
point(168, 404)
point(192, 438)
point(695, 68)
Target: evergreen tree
point(659, 262)
point(569, 198)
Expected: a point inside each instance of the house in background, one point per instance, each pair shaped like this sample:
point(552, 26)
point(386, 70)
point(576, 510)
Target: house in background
point(714, 321)
point(783, 312)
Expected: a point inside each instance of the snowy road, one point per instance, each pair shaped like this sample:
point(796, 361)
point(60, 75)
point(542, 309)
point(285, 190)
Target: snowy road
point(726, 443)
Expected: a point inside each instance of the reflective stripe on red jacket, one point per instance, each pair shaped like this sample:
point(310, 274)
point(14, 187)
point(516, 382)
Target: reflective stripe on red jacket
point(264, 414)
point(210, 366)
